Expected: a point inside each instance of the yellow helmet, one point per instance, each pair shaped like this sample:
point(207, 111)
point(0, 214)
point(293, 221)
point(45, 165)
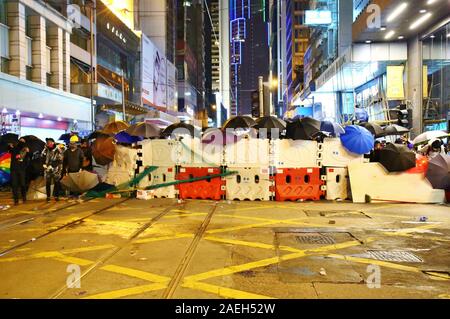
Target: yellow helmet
point(74, 139)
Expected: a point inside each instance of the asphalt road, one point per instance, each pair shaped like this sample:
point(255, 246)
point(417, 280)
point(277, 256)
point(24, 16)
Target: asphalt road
point(162, 248)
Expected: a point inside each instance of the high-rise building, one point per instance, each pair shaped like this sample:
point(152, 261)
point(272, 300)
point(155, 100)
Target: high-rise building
point(249, 50)
point(190, 57)
point(157, 19)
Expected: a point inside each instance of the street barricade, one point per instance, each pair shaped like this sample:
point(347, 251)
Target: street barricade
point(213, 188)
point(337, 183)
point(250, 183)
point(334, 154)
point(162, 175)
point(292, 184)
point(289, 153)
point(123, 167)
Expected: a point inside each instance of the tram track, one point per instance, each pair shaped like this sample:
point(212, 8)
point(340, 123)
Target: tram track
point(109, 254)
point(58, 228)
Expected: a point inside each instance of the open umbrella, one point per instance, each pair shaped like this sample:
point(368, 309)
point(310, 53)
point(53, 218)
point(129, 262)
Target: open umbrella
point(395, 129)
point(438, 172)
point(357, 139)
point(331, 128)
point(124, 137)
point(103, 150)
point(270, 122)
point(9, 138)
point(373, 128)
point(97, 134)
point(145, 130)
point(429, 135)
point(361, 115)
point(80, 182)
point(397, 158)
point(5, 171)
point(302, 129)
point(241, 121)
point(66, 137)
point(180, 128)
point(35, 144)
point(217, 136)
point(115, 127)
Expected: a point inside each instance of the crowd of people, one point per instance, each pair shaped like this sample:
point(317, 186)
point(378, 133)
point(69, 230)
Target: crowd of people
point(58, 160)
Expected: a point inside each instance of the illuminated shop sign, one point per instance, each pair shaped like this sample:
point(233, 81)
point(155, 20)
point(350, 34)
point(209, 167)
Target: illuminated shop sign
point(116, 32)
point(315, 17)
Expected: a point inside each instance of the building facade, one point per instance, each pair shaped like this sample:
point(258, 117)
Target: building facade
point(35, 78)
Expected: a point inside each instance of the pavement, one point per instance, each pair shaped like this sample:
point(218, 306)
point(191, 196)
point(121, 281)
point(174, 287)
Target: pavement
point(165, 248)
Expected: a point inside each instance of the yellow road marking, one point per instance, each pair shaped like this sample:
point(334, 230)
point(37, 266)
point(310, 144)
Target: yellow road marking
point(223, 291)
point(375, 262)
point(444, 296)
point(72, 260)
point(184, 215)
point(136, 273)
point(250, 244)
point(153, 239)
point(268, 261)
point(128, 291)
point(55, 253)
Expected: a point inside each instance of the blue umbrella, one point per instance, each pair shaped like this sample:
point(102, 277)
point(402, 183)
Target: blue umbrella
point(124, 137)
point(357, 139)
point(330, 127)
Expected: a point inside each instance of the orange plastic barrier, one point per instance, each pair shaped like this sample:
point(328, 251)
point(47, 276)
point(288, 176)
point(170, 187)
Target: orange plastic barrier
point(213, 188)
point(292, 184)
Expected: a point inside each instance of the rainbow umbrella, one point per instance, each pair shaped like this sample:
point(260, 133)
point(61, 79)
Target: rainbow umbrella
point(5, 171)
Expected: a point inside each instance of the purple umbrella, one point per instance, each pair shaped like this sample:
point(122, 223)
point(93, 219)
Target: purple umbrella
point(438, 172)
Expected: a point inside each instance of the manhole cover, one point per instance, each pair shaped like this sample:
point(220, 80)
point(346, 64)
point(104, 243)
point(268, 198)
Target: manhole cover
point(315, 238)
point(396, 256)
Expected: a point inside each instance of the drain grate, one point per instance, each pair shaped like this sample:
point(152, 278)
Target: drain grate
point(315, 239)
point(396, 256)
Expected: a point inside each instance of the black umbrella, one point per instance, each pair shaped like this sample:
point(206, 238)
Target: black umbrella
point(397, 158)
point(303, 129)
point(241, 121)
point(373, 128)
point(9, 138)
point(180, 128)
point(270, 122)
point(143, 129)
point(98, 134)
point(34, 144)
point(438, 172)
point(395, 129)
point(66, 137)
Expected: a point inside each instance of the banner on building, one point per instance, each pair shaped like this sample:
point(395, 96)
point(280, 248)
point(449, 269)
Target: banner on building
point(154, 76)
point(425, 81)
point(172, 101)
point(395, 88)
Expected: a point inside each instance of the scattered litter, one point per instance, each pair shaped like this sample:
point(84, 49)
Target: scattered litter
point(80, 293)
point(145, 194)
point(112, 196)
point(33, 239)
point(339, 199)
point(229, 202)
point(132, 253)
point(12, 240)
point(322, 272)
point(332, 222)
point(423, 218)
point(179, 201)
point(84, 240)
point(142, 259)
point(322, 213)
point(4, 207)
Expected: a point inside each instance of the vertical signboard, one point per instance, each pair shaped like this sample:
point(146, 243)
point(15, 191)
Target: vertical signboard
point(154, 75)
point(395, 89)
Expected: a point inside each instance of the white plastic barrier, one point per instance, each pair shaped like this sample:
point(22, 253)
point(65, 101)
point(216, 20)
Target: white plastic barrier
point(123, 167)
point(374, 181)
point(247, 152)
point(337, 183)
point(164, 152)
point(118, 176)
point(289, 153)
point(146, 153)
point(250, 183)
point(333, 154)
point(163, 174)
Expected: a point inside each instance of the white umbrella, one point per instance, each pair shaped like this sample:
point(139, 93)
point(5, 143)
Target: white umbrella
point(426, 136)
point(80, 182)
